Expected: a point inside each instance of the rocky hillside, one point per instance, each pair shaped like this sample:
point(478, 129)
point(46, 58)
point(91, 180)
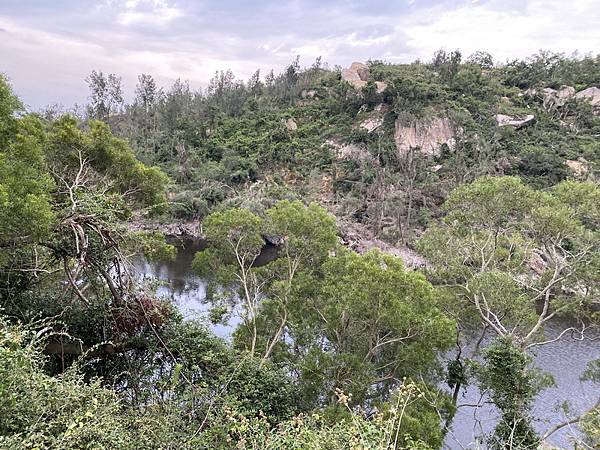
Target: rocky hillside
point(380, 145)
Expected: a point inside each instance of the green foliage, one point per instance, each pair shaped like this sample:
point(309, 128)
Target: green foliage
point(25, 184)
point(152, 245)
point(360, 314)
point(512, 387)
point(38, 411)
point(542, 168)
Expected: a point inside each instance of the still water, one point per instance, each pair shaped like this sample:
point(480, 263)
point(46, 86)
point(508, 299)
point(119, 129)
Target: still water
point(565, 360)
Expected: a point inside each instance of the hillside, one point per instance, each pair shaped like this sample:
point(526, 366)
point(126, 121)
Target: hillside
point(381, 147)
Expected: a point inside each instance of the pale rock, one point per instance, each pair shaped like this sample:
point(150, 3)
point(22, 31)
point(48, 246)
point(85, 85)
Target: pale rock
point(427, 135)
point(372, 124)
point(553, 97)
point(342, 150)
point(381, 86)
point(374, 119)
point(351, 76)
point(358, 75)
point(436, 168)
point(362, 70)
point(502, 120)
point(578, 167)
point(291, 124)
point(592, 94)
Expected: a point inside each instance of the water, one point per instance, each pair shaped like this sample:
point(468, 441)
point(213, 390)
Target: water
point(565, 360)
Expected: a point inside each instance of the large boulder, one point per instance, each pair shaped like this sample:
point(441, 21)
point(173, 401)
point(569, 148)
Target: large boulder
point(592, 94)
point(352, 76)
point(362, 70)
point(358, 76)
point(502, 120)
point(553, 97)
point(427, 135)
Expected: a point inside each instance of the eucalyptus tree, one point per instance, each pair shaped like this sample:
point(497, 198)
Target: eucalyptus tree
point(106, 95)
point(236, 238)
point(509, 259)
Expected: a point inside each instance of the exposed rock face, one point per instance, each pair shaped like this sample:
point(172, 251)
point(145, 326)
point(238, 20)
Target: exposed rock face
point(426, 135)
point(372, 123)
point(361, 239)
point(358, 75)
point(503, 120)
point(342, 150)
point(592, 94)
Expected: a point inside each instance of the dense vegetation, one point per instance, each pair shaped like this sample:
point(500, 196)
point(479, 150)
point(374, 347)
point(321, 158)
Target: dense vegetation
point(335, 348)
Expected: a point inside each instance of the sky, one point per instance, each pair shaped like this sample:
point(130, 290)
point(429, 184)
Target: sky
point(48, 47)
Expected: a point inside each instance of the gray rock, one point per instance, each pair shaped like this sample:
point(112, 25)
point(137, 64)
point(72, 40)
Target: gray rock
point(592, 94)
point(502, 120)
point(291, 124)
point(553, 97)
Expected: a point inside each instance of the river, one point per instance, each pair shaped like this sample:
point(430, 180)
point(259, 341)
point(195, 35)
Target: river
point(565, 359)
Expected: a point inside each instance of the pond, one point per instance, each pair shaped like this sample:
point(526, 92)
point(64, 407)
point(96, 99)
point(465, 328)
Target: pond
point(565, 359)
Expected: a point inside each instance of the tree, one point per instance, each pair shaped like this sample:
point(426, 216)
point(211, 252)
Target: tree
point(360, 324)
point(306, 235)
point(513, 258)
point(64, 194)
point(235, 241)
point(146, 92)
point(106, 95)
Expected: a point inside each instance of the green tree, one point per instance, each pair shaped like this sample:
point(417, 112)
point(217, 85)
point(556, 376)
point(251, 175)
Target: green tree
point(510, 258)
point(360, 324)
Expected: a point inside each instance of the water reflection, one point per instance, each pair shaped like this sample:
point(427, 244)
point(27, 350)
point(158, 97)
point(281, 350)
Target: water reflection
point(565, 360)
point(179, 284)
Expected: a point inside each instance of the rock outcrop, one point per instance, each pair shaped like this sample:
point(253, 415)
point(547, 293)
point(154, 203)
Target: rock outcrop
point(375, 118)
point(592, 94)
point(361, 239)
point(553, 97)
point(427, 135)
point(353, 75)
point(343, 150)
point(358, 76)
point(371, 124)
point(502, 120)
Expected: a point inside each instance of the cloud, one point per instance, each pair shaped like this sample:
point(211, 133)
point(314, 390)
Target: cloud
point(507, 29)
point(48, 48)
point(154, 13)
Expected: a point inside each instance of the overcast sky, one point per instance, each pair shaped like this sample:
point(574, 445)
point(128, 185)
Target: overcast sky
point(47, 47)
